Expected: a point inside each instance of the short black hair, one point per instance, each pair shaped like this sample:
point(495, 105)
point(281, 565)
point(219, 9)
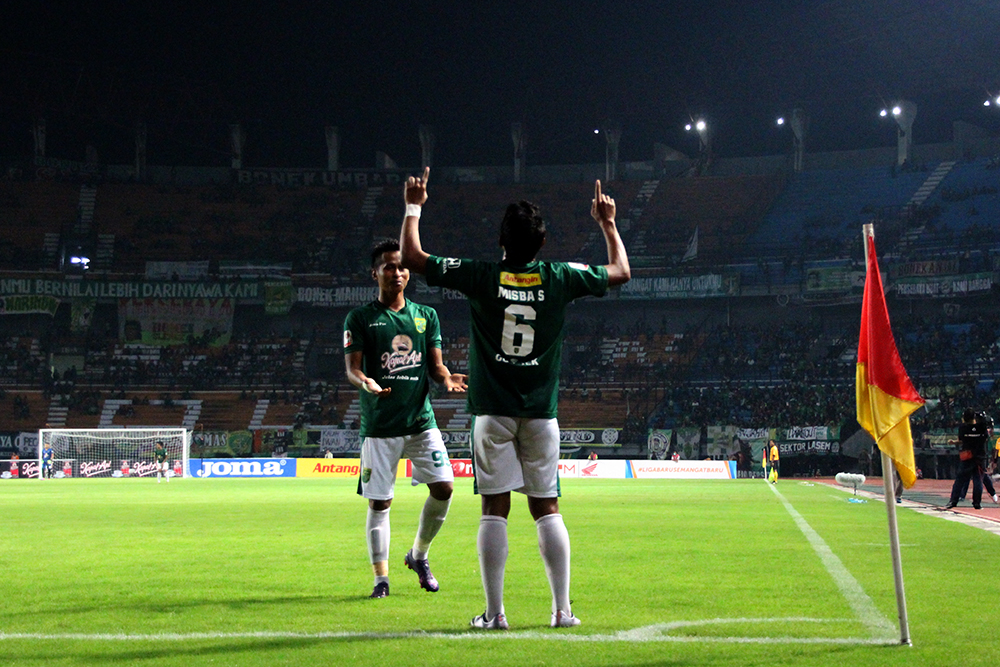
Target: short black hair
point(382, 247)
point(969, 415)
point(522, 232)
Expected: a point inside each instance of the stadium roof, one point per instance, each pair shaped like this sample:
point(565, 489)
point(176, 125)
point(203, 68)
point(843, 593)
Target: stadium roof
point(563, 68)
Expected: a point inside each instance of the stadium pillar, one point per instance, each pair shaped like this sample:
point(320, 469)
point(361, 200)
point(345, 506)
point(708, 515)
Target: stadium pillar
point(613, 135)
point(427, 140)
point(800, 128)
point(38, 130)
point(904, 135)
point(332, 148)
point(237, 139)
point(140, 151)
point(520, 141)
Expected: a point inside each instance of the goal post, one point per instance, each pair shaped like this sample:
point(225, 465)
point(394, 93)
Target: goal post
point(113, 452)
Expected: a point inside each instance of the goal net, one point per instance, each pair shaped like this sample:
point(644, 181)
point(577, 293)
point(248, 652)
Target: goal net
point(113, 452)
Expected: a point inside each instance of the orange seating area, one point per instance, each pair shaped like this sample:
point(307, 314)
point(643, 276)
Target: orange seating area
point(608, 411)
point(151, 415)
point(225, 411)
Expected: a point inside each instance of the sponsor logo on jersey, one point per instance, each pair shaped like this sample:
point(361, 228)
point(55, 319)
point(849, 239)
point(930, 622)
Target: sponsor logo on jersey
point(403, 356)
point(366, 475)
point(420, 323)
point(578, 266)
point(348, 338)
point(520, 279)
point(449, 263)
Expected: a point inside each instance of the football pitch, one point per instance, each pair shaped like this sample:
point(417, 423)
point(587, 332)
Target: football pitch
point(275, 572)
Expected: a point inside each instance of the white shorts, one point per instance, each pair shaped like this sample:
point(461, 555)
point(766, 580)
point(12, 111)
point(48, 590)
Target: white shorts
point(380, 458)
point(516, 454)
point(165, 466)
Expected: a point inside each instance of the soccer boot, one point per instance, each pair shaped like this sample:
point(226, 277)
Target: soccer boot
point(561, 619)
point(381, 590)
point(498, 622)
point(423, 570)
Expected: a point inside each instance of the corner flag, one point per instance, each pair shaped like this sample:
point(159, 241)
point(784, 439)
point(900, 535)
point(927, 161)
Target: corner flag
point(885, 396)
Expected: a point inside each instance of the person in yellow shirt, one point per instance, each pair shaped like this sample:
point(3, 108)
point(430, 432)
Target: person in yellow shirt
point(775, 459)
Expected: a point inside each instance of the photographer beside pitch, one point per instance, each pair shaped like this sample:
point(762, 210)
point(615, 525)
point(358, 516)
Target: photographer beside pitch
point(518, 311)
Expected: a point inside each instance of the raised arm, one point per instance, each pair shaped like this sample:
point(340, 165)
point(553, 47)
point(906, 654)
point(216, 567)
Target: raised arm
point(603, 211)
point(415, 194)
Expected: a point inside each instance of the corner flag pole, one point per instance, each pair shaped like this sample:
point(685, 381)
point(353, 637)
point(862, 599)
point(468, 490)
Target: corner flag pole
point(888, 476)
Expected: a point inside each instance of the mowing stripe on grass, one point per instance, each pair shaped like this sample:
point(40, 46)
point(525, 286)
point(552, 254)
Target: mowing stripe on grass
point(649, 633)
point(863, 607)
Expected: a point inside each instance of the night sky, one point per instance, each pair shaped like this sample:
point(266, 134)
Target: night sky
point(379, 69)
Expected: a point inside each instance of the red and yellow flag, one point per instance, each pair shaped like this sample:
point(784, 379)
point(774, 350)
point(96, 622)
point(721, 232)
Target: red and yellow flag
point(886, 397)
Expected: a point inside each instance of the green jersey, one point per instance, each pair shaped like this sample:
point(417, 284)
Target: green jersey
point(160, 454)
point(517, 328)
point(394, 353)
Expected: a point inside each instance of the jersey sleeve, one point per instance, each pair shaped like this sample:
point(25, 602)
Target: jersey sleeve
point(433, 329)
point(354, 333)
point(453, 273)
point(583, 279)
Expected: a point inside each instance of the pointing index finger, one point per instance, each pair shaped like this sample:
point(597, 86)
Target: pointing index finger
point(427, 172)
point(597, 190)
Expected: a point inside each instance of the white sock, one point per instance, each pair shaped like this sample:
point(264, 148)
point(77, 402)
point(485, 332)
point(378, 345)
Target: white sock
point(553, 543)
point(491, 544)
point(377, 535)
point(431, 519)
point(379, 580)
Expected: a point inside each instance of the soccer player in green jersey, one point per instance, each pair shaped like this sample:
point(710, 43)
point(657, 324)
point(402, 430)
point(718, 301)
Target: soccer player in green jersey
point(160, 458)
point(518, 309)
point(392, 347)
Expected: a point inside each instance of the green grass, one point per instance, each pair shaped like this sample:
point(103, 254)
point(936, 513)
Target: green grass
point(234, 557)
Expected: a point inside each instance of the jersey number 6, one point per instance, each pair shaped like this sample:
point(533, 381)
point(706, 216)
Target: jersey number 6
point(511, 327)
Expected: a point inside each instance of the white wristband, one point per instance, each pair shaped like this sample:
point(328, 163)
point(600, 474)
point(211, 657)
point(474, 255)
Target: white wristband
point(413, 210)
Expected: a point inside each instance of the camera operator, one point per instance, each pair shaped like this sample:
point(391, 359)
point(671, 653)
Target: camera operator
point(972, 436)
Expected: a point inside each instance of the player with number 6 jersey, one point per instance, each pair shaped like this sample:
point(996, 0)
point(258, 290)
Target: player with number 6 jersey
point(518, 314)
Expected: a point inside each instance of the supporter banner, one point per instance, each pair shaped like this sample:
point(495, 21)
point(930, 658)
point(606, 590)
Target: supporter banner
point(796, 448)
point(209, 444)
point(935, 267)
point(330, 297)
point(177, 270)
point(972, 283)
point(340, 441)
point(22, 305)
point(239, 269)
point(597, 437)
point(658, 442)
point(27, 443)
point(175, 321)
point(721, 440)
point(242, 467)
point(111, 289)
point(681, 470)
point(838, 279)
point(939, 440)
point(328, 467)
point(81, 313)
point(681, 287)
point(689, 442)
point(456, 439)
point(8, 444)
point(345, 178)
point(278, 297)
point(808, 433)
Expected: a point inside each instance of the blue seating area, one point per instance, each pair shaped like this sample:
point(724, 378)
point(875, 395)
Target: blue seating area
point(966, 207)
point(821, 212)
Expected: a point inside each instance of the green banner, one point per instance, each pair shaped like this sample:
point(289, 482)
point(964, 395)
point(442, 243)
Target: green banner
point(279, 295)
point(23, 305)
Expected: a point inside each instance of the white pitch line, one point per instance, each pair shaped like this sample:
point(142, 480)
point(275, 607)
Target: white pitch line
point(863, 607)
point(650, 633)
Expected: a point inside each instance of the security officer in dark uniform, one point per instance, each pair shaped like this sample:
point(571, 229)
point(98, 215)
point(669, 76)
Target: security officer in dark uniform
point(972, 436)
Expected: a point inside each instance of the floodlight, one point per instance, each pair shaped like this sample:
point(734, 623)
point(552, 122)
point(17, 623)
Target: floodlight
point(597, 131)
point(781, 120)
point(883, 113)
point(688, 127)
point(896, 110)
point(986, 103)
point(700, 126)
point(998, 99)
